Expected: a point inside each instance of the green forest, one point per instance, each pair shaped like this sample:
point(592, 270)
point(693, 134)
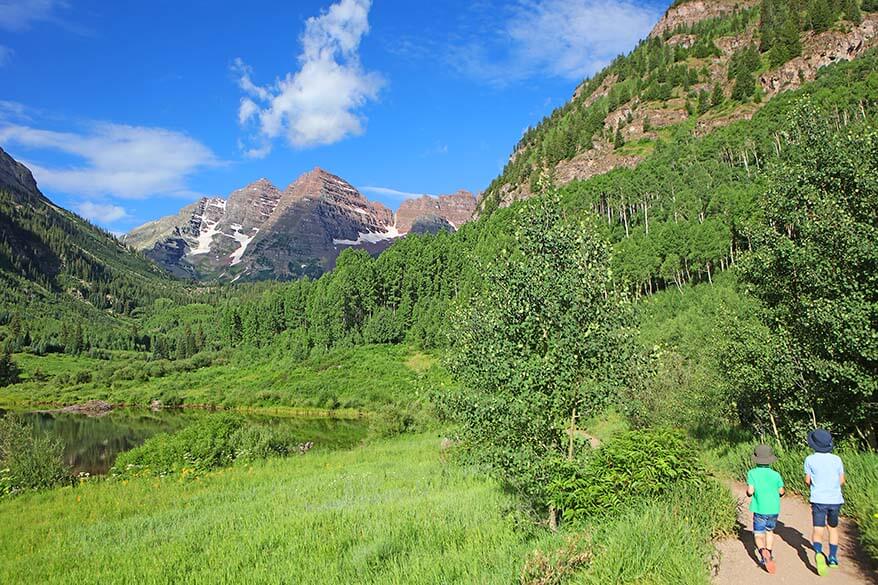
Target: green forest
point(720, 293)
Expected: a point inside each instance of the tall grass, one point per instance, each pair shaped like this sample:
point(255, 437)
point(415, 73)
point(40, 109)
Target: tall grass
point(666, 540)
point(28, 461)
point(390, 512)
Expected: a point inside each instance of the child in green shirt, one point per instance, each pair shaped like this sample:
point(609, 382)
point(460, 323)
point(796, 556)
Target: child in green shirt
point(765, 486)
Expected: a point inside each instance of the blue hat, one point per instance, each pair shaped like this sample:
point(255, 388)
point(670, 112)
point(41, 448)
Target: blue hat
point(820, 440)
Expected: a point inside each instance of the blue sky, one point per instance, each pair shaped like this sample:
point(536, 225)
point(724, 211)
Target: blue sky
point(126, 111)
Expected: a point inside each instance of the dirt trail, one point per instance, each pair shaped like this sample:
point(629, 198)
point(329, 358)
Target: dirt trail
point(792, 550)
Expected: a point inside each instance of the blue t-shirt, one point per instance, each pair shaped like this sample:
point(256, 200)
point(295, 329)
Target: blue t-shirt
point(825, 470)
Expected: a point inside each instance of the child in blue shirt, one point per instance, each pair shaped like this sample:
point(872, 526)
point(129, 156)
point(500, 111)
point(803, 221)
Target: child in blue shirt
point(824, 473)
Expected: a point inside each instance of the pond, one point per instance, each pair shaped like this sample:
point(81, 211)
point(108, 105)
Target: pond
point(91, 443)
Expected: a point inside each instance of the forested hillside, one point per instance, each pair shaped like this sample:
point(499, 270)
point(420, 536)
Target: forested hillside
point(705, 65)
point(63, 278)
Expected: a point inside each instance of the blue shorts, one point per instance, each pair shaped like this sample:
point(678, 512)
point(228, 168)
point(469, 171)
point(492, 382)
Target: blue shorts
point(823, 514)
point(764, 523)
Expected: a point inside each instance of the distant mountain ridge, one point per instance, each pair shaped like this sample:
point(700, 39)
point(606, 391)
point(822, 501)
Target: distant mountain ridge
point(261, 232)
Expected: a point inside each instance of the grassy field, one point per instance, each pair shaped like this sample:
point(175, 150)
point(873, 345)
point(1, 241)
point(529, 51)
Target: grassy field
point(358, 378)
point(393, 512)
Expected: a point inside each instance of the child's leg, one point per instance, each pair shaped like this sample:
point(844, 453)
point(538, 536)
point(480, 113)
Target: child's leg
point(832, 526)
point(769, 540)
point(819, 516)
point(818, 536)
point(759, 537)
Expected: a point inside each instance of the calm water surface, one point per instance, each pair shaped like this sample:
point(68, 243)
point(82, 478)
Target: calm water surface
point(91, 443)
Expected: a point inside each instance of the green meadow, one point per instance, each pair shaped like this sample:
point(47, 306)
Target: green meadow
point(400, 511)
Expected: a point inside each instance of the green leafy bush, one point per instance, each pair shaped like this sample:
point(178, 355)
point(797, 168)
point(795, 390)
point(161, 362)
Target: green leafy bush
point(666, 539)
point(28, 461)
point(633, 465)
point(212, 442)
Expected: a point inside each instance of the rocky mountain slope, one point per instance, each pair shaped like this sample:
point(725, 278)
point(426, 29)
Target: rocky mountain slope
point(261, 232)
point(706, 64)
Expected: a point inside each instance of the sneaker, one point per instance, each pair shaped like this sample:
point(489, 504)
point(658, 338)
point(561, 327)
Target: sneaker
point(832, 562)
point(768, 561)
point(820, 561)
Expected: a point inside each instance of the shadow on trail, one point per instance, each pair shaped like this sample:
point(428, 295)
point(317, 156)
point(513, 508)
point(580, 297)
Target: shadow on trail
point(788, 534)
point(745, 537)
point(796, 540)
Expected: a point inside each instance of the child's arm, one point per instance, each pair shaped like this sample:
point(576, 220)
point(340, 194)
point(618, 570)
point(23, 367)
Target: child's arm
point(750, 491)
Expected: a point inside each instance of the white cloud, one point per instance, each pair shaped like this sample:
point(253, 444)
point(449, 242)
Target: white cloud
point(318, 104)
point(18, 15)
point(5, 55)
point(117, 160)
point(391, 192)
point(101, 212)
point(10, 109)
point(563, 38)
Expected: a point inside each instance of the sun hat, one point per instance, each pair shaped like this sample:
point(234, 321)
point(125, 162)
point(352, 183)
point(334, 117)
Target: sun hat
point(763, 455)
point(820, 440)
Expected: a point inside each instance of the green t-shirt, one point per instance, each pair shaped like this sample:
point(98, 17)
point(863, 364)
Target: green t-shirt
point(766, 482)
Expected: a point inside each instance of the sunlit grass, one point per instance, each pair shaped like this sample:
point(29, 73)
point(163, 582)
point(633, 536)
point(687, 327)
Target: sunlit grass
point(392, 512)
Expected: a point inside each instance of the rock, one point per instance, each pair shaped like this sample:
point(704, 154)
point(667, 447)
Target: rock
point(818, 51)
point(156, 405)
point(17, 177)
point(90, 408)
point(688, 13)
point(261, 232)
point(454, 210)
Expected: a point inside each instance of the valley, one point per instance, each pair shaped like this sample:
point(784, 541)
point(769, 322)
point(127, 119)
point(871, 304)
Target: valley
point(561, 380)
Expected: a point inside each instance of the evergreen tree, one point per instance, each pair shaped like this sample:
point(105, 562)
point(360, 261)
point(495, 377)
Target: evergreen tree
point(8, 368)
point(820, 15)
point(619, 140)
point(745, 86)
point(703, 101)
point(717, 97)
point(852, 11)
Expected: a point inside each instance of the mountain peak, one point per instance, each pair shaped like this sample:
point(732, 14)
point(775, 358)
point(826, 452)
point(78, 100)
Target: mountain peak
point(16, 176)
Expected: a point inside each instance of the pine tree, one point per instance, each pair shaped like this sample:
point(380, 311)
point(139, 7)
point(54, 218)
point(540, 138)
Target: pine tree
point(718, 97)
point(820, 15)
point(619, 140)
point(703, 101)
point(852, 11)
point(745, 86)
point(8, 369)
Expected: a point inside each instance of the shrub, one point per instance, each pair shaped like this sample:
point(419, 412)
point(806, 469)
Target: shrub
point(203, 445)
point(632, 465)
point(214, 441)
point(28, 461)
point(656, 540)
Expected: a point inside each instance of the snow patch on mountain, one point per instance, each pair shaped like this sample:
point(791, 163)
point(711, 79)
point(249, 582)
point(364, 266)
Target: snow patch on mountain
point(243, 240)
point(205, 237)
point(370, 237)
